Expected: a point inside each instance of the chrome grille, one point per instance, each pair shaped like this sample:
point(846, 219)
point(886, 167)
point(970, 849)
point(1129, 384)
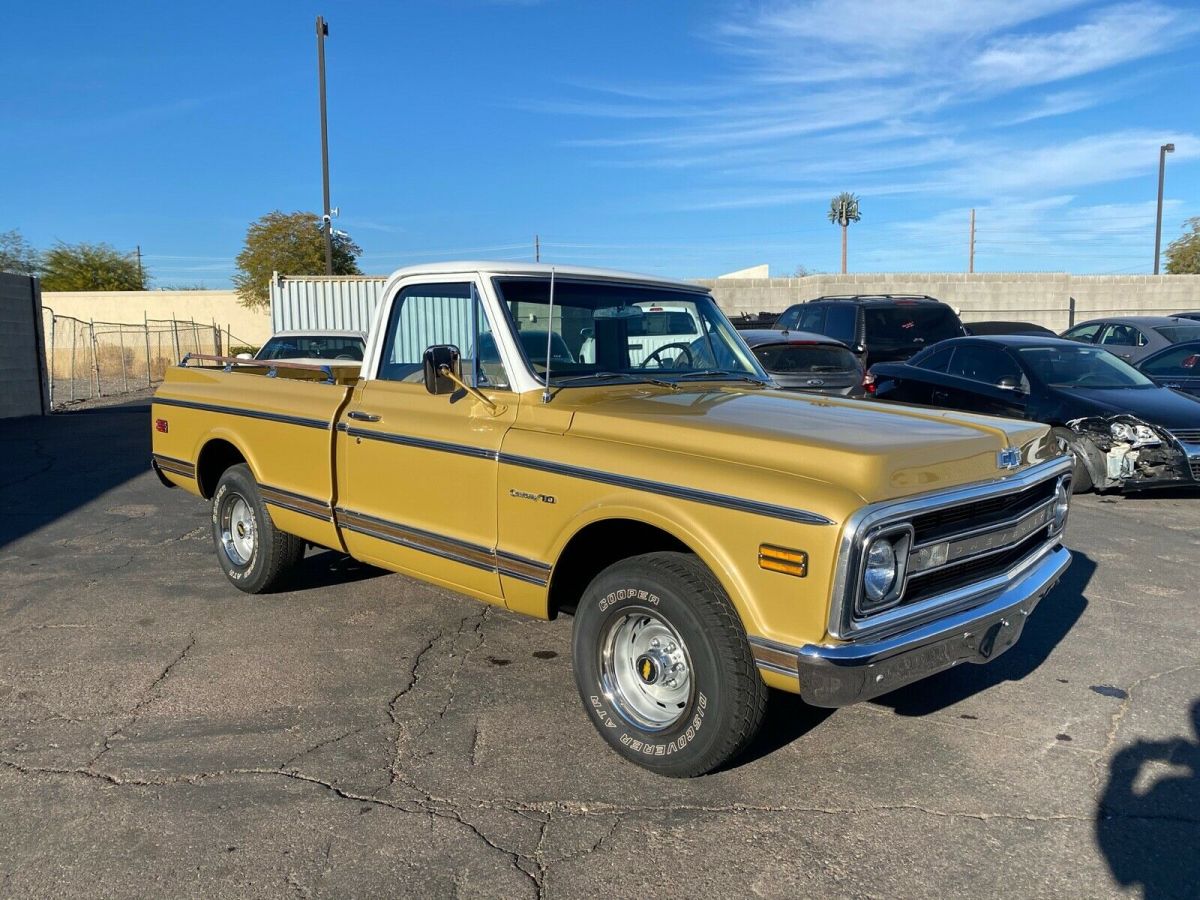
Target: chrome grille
point(966, 544)
point(939, 581)
point(943, 523)
point(1195, 464)
point(1187, 435)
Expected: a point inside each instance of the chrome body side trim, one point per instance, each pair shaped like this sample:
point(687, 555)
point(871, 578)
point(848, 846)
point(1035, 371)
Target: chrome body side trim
point(669, 490)
point(172, 465)
point(726, 501)
point(420, 443)
point(475, 555)
point(247, 413)
point(159, 469)
point(841, 624)
point(841, 674)
point(300, 503)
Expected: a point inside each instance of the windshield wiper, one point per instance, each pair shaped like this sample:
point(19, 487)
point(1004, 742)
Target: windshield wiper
point(723, 373)
point(609, 376)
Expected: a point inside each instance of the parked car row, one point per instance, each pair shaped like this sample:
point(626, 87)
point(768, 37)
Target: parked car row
point(1122, 393)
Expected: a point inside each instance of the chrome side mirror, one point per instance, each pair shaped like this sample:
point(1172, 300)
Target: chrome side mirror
point(1009, 384)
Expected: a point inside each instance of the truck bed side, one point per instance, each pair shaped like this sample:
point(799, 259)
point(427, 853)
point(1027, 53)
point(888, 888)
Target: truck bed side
point(206, 419)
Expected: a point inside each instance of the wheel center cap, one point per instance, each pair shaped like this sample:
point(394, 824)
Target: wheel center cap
point(647, 668)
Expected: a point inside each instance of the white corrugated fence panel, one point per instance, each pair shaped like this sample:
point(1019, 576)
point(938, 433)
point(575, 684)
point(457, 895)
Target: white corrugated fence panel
point(324, 304)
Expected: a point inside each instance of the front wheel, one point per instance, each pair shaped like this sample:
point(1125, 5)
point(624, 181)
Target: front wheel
point(1081, 449)
point(253, 553)
point(663, 665)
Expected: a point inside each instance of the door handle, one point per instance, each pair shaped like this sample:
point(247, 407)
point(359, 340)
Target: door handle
point(940, 397)
point(362, 416)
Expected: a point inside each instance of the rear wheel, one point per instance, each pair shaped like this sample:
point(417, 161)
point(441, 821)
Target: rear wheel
point(663, 665)
point(253, 553)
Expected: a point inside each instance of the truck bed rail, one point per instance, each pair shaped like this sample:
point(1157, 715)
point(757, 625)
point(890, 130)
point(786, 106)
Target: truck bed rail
point(271, 365)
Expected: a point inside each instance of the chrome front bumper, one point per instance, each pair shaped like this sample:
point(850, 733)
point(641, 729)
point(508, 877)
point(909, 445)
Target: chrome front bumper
point(841, 674)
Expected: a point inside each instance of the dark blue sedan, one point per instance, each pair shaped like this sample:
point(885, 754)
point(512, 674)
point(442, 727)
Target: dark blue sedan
point(1125, 430)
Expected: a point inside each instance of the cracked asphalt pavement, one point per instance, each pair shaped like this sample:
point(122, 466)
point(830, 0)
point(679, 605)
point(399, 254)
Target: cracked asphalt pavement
point(365, 734)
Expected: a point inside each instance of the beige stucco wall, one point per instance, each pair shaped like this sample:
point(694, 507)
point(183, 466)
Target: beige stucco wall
point(132, 307)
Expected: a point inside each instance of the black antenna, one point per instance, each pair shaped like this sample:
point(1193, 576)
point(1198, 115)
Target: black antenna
point(549, 335)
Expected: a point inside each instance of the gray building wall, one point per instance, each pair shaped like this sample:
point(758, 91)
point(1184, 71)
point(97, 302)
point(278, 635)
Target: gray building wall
point(23, 385)
point(1043, 298)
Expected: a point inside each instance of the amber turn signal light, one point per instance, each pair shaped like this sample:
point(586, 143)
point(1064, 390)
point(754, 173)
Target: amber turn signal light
point(781, 559)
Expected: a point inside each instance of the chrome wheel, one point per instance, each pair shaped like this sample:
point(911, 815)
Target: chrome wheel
point(645, 670)
point(238, 532)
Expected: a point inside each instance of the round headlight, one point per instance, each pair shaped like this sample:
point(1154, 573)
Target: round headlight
point(880, 574)
point(1062, 503)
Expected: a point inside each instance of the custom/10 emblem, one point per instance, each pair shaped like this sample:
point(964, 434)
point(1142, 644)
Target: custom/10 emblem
point(526, 495)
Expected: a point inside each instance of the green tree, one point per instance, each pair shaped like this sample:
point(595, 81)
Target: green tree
point(290, 244)
point(90, 267)
point(843, 209)
point(17, 254)
point(1183, 253)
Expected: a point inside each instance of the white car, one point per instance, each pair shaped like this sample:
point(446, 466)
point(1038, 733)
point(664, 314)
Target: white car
point(315, 346)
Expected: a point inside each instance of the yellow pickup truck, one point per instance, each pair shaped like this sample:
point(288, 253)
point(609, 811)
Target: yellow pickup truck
point(713, 536)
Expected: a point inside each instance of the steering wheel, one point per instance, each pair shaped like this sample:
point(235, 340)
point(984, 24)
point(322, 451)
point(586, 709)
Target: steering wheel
point(657, 355)
point(1085, 380)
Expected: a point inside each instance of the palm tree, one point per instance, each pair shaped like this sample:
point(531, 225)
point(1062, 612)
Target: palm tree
point(843, 209)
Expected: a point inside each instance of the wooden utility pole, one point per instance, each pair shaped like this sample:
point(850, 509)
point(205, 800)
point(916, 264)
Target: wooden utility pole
point(537, 248)
point(971, 254)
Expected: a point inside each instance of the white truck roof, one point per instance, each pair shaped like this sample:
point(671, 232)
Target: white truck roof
point(502, 267)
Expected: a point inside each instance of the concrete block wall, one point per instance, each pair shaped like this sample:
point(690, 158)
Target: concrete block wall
point(1039, 297)
point(133, 307)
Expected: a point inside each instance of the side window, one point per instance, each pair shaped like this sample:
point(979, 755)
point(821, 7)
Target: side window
point(841, 323)
point(450, 313)
point(986, 364)
point(1117, 335)
point(1085, 334)
point(938, 361)
point(789, 319)
point(812, 318)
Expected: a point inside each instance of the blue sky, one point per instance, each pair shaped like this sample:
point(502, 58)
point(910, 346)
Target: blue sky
point(685, 139)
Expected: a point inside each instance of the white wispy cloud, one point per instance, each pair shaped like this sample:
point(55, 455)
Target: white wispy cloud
point(1111, 36)
point(894, 95)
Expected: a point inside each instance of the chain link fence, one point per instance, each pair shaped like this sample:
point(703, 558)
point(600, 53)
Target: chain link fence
point(87, 360)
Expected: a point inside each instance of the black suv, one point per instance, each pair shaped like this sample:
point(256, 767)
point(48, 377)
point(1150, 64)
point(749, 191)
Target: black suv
point(877, 327)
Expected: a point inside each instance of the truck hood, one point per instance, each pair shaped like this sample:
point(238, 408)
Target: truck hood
point(878, 451)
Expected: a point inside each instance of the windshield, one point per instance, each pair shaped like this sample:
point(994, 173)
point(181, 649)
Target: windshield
point(902, 324)
point(313, 346)
point(605, 329)
point(1081, 367)
point(805, 359)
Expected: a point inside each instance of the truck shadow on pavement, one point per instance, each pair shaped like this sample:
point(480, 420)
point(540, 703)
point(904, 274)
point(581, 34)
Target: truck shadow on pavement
point(1054, 617)
point(52, 465)
point(326, 568)
point(1148, 827)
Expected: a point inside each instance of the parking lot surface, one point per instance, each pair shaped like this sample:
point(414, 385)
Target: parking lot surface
point(365, 734)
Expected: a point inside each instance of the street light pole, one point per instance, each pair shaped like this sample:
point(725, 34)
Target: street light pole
point(1162, 168)
point(327, 219)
